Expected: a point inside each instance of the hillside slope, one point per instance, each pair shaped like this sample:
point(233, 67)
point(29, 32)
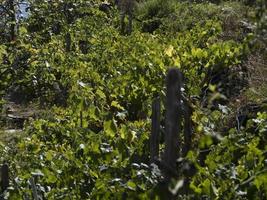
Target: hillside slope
point(78, 91)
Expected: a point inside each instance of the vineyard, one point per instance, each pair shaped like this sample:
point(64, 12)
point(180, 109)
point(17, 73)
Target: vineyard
point(144, 99)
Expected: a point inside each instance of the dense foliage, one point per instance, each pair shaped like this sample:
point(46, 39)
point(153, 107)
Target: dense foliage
point(94, 89)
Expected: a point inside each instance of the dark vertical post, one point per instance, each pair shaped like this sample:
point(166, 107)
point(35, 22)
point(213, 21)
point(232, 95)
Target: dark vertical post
point(4, 177)
point(68, 42)
point(155, 131)
point(173, 119)
point(34, 189)
point(81, 118)
point(69, 19)
point(126, 8)
point(13, 20)
point(130, 20)
point(122, 18)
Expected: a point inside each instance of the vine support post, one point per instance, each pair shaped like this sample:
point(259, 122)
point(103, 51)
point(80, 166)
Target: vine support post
point(34, 189)
point(177, 120)
point(4, 177)
point(172, 120)
point(155, 132)
point(13, 18)
point(81, 119)
point(68, 42)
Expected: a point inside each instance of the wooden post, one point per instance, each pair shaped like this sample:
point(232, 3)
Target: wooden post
point(68, 42)
point(155, 131)
point(172, 129)
point(34, 189)
point(178, 109)
point(126, 8)
point(13, 18)
point(4, 177)
point(173, 119)
point(81, 118)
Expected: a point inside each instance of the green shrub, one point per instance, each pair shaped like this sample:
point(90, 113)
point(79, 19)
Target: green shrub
point(155, 8)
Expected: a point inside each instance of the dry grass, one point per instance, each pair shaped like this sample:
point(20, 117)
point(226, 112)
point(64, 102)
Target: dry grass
point(256, 92)
point(257, 67)
point(10, 136)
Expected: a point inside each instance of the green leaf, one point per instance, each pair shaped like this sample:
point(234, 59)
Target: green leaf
point(261, 181)
point(110, 128)
point(100, 93)
point(49, 155)
point(131, 185)
point(123, 131)
point(117, 105)
point(169, 51)
point(205, 141)
point(93, 113)
point(49, 176)
point(206, 186)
